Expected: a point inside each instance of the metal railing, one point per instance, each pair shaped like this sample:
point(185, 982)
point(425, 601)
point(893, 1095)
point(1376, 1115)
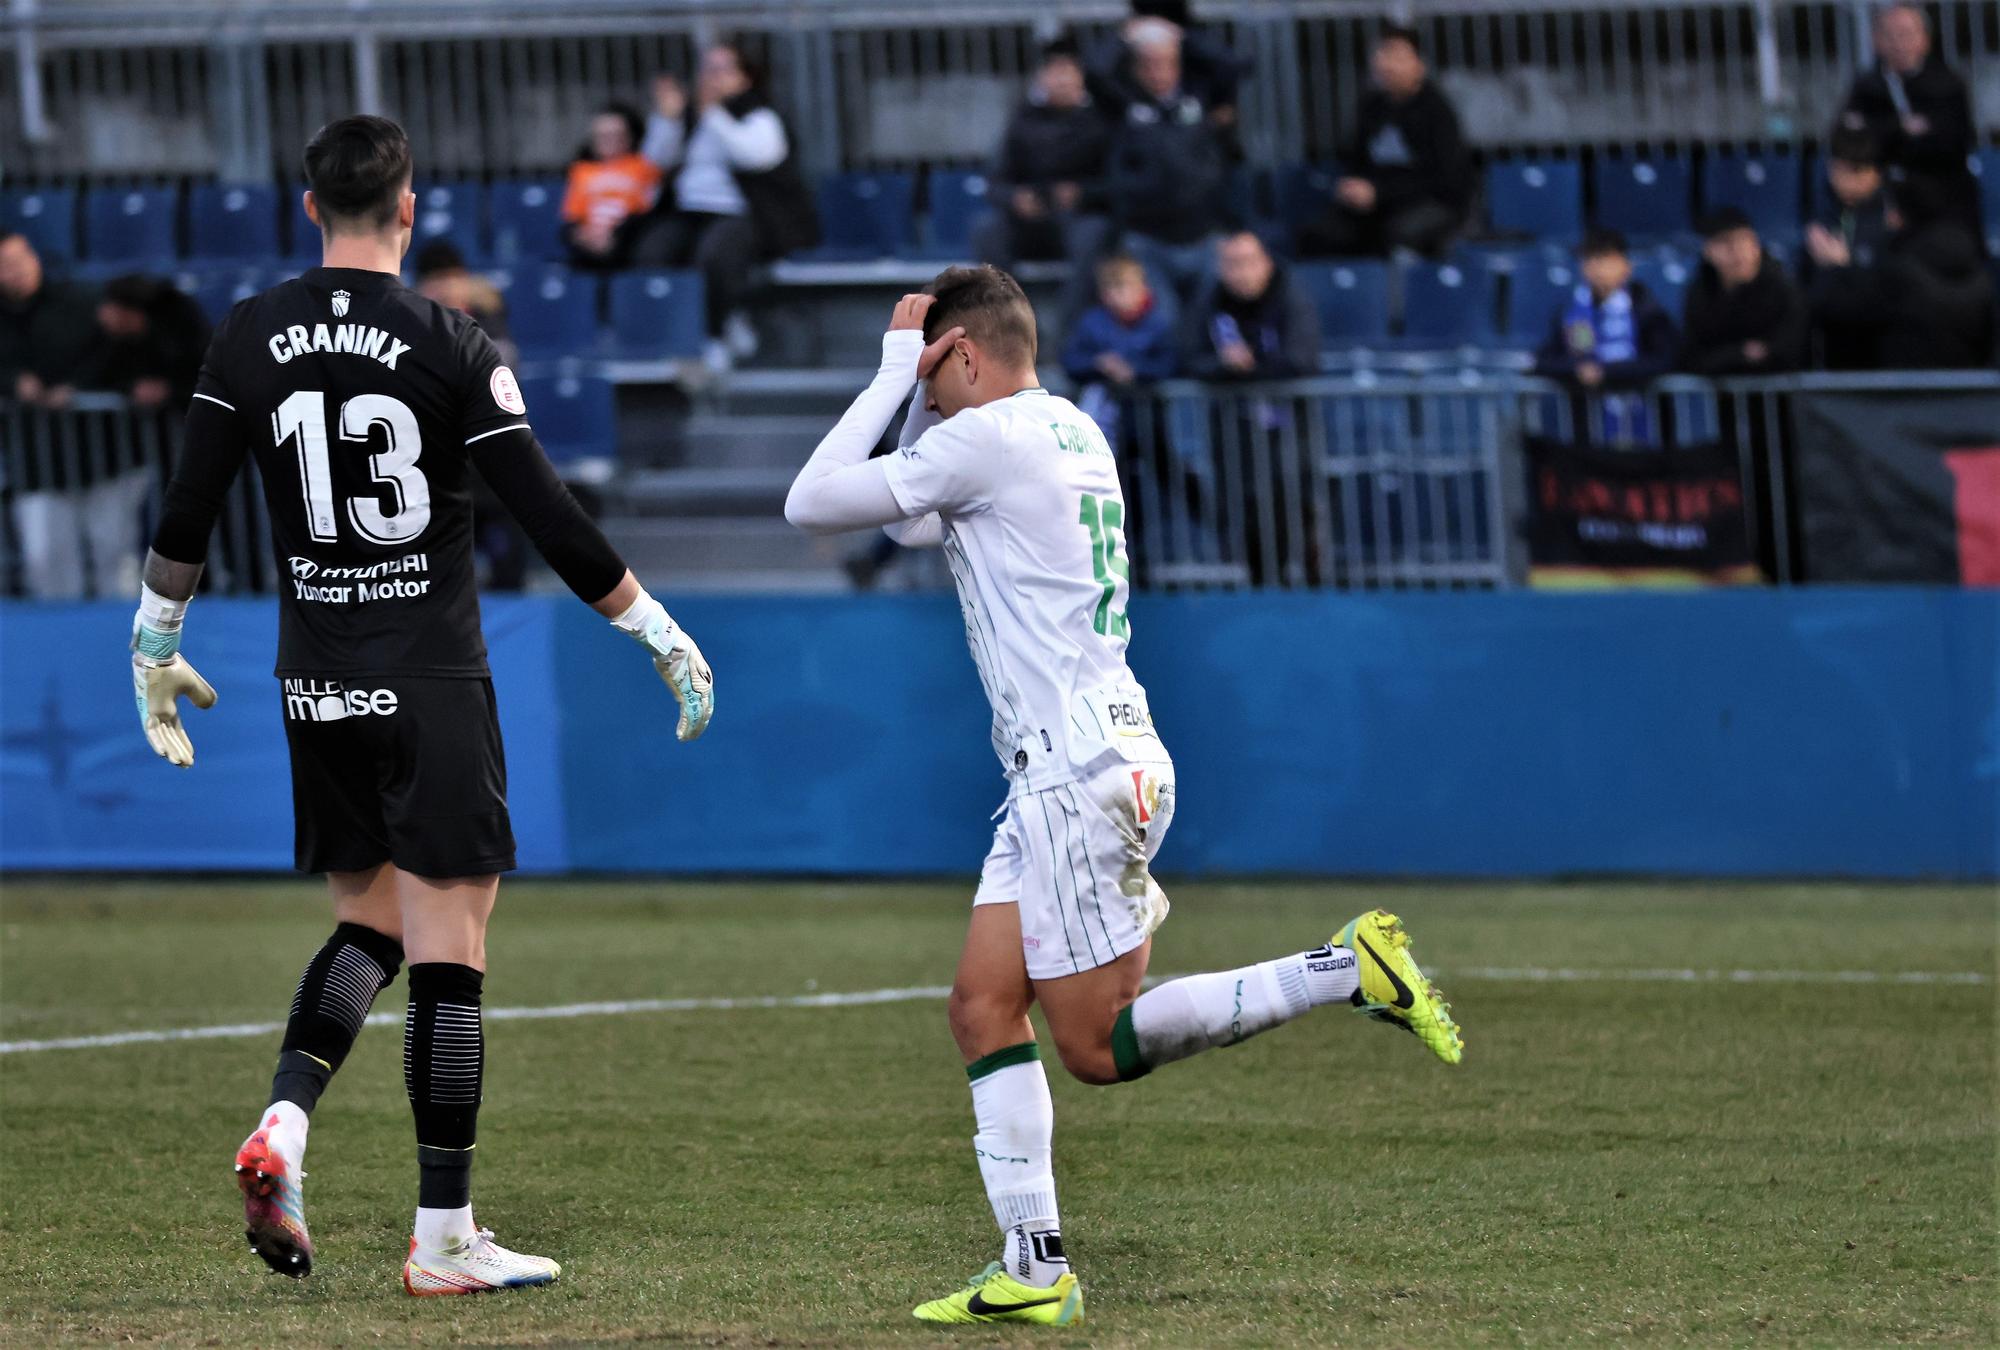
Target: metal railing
point(134, 87)
point(1353, 482)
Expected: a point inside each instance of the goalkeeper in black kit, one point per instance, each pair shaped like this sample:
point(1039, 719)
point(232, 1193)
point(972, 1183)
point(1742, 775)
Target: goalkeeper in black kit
point(368, 409)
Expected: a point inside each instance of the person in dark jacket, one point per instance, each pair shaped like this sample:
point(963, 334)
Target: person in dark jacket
point(1210, 71)
point(1744, 316)
point(1919, 112)
point(1048, 185)
point(153, 340)
point(1611, 334)
point(735, 195)
point(48, 329)
point(1169, 168)
point(1925, 304)
point(1409, 179)
point(1256, 321)
point(1855, 224)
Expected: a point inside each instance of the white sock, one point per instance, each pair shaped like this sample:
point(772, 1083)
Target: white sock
point(1016, 1124)
point(288, 1125)
point(1202, 1012)
point(442, 1229)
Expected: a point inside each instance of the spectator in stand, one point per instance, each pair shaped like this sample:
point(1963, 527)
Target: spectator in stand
point(1919, 112)
point(1856, 226)
point(1744, 316)
point(443, 276)
point(1611, 334)
point(1925, 303)
point(736, 196)
point(152, 340)
point(1120, 342)
point(1169, 166)
point(1255, 321)
point(1048, 185)
point(1409, 179)
point(611, 187)
point(65, 500)
point(48, 329)
point(1211, 72)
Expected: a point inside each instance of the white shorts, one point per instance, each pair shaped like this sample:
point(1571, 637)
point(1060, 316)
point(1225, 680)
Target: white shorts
point(1076, 860)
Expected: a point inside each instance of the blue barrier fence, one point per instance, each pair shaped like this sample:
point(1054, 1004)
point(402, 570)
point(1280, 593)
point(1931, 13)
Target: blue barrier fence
point(1817, 732)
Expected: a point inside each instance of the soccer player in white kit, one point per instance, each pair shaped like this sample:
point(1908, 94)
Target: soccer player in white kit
point(1021, 491)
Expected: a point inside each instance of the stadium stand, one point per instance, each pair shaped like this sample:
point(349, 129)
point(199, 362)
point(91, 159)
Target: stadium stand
point(1645, 198)
point(1539, 199)
point(1764, 184)
point(130, 225)
point(526, 216)
point(553, 312)
point(232, 223)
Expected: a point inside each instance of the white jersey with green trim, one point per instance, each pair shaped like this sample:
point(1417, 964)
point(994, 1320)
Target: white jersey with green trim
point(1026, 490)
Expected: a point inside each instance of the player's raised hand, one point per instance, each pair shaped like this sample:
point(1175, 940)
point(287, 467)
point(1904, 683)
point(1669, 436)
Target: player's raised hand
point(910, 311)
point(157, 687)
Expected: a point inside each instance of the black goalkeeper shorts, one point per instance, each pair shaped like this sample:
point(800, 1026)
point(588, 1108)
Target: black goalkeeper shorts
point(402, 769)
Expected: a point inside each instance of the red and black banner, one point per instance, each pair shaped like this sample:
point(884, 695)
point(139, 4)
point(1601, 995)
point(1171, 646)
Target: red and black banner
point(1899, 487)
point(1635, 517)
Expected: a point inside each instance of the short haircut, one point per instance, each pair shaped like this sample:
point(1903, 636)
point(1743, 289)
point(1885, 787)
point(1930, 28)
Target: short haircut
point(1855, 145)
point(135, 290)
point(990, 306)
point(1722, 220)
point(629, 115)
point(1118, 265)
point(439, 255)
point(1599, 242)
point(1884, 11)
point(358, 169)
point(1399, 32)
point(1063, 47)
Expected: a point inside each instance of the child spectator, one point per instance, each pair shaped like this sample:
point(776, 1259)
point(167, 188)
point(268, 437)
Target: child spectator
point(1123, 339)
point(1610, 333)
point(1856, 224)
point(611, 185)
point(1744, 316)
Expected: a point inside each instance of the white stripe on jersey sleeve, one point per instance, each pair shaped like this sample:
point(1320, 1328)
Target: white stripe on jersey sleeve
point(218, 402)
point(518, 426)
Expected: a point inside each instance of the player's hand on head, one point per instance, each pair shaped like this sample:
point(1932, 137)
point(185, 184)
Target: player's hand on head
point(910, 311)
point(157, 688)
point(935, 352)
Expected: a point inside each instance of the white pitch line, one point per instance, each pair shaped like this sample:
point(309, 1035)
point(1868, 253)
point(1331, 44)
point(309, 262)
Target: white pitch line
point(932, 993)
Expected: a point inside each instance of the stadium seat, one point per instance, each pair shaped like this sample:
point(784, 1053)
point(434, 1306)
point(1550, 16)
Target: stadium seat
point(232, 222)
point(1534, 293)
point(1764, 185)
point(863, 215)
point(527, 220)
point(218, 290)
point(451, 211)
point(1304, 193)
point(657, 315)
point(1986, 164)
point(575, 416)
point(47, 216)
point(553, 313)
point(1447, 304)
point(1539, 198)
point(1667, 277)
point(1644, 198)
point(1353, 300)
point(958, 199)
point(130, 225)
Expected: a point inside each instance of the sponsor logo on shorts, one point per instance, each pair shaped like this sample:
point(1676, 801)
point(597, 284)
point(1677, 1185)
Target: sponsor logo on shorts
point(389, 579)
point(332, 701)
point(1033, 944)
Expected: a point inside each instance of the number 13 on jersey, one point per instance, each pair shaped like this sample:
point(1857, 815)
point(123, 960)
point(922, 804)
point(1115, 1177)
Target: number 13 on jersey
point(1104, 517)
point(303, 416)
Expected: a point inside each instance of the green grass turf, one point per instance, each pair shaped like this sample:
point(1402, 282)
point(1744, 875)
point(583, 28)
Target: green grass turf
point(1714, 1163)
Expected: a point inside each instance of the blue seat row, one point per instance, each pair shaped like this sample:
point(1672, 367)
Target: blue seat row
point(552, 312)
point(1471, 301)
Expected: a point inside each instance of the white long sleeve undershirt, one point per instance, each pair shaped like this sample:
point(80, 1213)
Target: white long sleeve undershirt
point(840, 487)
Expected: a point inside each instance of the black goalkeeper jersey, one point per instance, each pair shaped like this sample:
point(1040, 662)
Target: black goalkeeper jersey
point(362, 402)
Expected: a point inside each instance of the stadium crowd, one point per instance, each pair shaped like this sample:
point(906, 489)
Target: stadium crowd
point(1119, 167)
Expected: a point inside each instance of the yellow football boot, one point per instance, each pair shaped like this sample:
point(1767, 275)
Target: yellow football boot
point(995, 1296)
point(1393, 990)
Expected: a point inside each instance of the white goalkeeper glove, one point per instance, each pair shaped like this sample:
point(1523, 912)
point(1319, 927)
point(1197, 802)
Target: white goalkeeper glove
point(160, 677)
point(677, 659)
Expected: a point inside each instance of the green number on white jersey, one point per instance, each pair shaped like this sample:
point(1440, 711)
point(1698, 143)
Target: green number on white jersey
point(1103, 517)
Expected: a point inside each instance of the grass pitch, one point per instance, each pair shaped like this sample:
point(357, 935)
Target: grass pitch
point(1802, 1161)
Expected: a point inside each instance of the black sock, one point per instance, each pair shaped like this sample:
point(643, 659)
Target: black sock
point(335, 993)
point(444, 1059)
